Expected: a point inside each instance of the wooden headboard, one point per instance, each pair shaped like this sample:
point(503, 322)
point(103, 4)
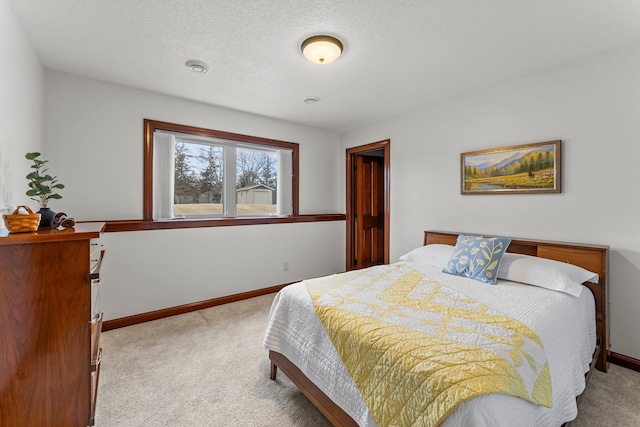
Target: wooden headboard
point(594, 258)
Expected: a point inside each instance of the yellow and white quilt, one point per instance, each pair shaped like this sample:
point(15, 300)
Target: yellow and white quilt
point(416, 349)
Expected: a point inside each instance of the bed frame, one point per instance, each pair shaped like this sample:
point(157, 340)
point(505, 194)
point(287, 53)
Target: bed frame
point(591, 257)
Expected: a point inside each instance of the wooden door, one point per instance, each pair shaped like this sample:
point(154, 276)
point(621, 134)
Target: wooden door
point(369, 215)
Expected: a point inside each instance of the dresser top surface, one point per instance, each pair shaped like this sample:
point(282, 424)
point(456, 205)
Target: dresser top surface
point(81, 231)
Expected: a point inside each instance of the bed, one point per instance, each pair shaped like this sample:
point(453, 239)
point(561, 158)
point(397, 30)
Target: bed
point(300, 347)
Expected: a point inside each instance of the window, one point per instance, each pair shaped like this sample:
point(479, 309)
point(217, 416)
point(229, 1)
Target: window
point(195, 173)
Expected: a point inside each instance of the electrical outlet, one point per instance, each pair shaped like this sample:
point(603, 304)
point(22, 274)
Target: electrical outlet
point(285, 266)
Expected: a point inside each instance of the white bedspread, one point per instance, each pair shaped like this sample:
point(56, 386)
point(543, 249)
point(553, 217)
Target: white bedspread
point(565, 324)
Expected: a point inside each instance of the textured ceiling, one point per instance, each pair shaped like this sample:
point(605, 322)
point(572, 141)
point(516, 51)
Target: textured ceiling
point(398, 55)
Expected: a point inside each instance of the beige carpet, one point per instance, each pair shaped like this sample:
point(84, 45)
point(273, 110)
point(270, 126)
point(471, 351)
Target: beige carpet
point(208, 368)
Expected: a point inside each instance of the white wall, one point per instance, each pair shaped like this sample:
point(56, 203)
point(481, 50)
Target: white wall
point(593, 106)
point(21, 100)
point(150, 270)
point(93, 138)
point(94, 142)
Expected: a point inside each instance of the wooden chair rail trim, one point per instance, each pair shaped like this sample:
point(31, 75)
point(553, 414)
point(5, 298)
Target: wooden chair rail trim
point(141, 225)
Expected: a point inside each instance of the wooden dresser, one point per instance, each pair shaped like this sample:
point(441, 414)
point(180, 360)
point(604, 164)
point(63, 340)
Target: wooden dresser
point(49, 333)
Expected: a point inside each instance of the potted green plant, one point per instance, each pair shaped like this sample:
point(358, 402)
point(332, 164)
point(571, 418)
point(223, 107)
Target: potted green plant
point(42, 188)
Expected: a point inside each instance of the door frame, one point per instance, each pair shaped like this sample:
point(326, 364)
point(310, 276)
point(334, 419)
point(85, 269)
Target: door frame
point(351, 154)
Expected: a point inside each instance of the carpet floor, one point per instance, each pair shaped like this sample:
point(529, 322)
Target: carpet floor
point(208, 368)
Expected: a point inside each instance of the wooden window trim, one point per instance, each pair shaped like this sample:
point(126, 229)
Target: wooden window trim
point(150, 126)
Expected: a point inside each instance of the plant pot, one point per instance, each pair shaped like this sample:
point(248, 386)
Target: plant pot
point(46, 215)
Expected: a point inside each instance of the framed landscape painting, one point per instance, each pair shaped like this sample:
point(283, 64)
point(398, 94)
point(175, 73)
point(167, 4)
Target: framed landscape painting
point(519, 169)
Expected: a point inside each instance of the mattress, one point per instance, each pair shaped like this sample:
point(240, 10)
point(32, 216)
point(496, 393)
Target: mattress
point(565, 324)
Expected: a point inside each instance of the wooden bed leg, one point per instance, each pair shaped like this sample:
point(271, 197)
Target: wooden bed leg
point(336, 415)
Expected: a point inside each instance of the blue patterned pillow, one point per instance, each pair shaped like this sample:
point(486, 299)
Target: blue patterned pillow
point(477, 257)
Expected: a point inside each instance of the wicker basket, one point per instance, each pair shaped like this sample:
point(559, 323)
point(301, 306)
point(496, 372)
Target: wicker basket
point(22, 223)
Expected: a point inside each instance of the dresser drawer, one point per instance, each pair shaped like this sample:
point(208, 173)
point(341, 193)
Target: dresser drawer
point(96, 254)
point(96, 330)
point(95, 376)
point(95, 297)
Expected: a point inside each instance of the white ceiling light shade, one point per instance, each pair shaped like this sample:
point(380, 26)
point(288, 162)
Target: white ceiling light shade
point(196, 66)
point(322, 49)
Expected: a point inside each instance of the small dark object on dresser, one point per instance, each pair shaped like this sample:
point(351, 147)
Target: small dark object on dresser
point(61, 220)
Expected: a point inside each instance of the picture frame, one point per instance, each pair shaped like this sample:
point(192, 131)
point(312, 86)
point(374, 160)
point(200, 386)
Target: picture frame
point(517, 169)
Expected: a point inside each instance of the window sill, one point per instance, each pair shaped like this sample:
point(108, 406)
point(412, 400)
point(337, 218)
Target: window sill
point(139, 225)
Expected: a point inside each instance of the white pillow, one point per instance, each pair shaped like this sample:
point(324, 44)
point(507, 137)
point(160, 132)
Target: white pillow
point(436, 255)
point(546, 273)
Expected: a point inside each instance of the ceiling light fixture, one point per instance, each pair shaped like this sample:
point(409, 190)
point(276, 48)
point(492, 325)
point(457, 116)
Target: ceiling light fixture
point(311, 100)
point(322, 49)
point(196, 66)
